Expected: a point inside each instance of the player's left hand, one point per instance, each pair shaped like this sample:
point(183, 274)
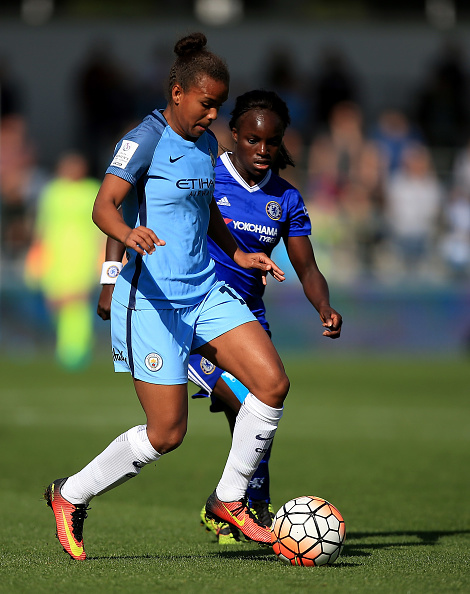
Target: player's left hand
point(332, 321)
point(261, 262)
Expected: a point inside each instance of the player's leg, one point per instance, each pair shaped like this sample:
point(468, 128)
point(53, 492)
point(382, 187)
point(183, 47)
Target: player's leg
point(227, 395)
point(166, 411)
point(258, 491)
point(262, 408)
point(228, 401)
point(242, 348)
point(165, 406)
point(206, 376)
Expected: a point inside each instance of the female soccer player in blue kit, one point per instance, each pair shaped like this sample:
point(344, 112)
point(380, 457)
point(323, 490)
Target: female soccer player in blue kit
point(259, 208)
point(168, 302)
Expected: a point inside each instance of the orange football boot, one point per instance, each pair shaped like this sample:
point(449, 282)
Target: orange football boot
point(69, 520)
point(239, 515)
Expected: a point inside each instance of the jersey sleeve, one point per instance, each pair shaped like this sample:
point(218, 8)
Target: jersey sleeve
point(298, 219)
point(133, 154)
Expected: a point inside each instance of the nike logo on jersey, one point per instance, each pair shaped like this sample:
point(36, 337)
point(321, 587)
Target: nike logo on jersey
point(261, 438)
point(223, 202)
point(177, 159)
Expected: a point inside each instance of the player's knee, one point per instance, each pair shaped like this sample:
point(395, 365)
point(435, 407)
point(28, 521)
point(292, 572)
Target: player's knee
point(168, 441)
point(281, 390)
point(274, 390)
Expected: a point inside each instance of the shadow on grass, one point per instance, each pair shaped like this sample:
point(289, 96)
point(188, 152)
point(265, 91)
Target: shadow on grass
point(354, 547)
point(263, 554)
point(386, 540)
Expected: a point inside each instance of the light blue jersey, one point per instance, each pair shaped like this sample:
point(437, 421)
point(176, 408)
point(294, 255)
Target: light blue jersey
point(173, 183)
point(168, 303)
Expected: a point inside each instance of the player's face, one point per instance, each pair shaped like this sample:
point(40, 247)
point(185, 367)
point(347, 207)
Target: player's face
point(258, 139)
point(195, 109)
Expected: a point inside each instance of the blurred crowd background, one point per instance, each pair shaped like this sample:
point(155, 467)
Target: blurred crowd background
point(382, 157)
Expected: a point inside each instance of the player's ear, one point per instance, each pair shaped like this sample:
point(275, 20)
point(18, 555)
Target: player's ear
point(176, 93)
point(234, 135)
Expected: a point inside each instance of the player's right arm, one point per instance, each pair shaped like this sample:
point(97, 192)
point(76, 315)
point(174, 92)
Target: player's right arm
point(107, 217)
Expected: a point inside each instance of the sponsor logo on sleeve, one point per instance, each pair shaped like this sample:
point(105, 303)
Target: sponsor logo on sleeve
point(124, 154)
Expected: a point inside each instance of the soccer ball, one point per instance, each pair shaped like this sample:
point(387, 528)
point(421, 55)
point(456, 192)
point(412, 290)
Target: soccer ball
point(308, 531)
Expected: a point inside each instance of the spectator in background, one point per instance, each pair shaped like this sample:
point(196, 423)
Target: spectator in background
point(413, 207)
point(107, 105)
point(455, 245)
point(442, 103)
point(461, 170)
point(362, 207)
point(334, 84)
point(333, 162)
point(10, 100)
point(393, 135)
point(152, 80)
point(281, 76)
point(65, 256)
point(21, 181)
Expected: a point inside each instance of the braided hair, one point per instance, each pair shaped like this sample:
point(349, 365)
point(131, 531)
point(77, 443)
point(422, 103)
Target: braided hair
point(269, 100)
point(195, 61)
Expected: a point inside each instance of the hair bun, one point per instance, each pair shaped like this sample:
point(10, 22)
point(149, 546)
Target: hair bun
point(190, 44)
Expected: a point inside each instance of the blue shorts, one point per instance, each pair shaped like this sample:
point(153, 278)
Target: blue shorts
point(154, 345)
point(205, 374)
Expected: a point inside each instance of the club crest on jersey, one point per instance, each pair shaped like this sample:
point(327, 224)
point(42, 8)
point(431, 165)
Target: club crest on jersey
point(207, 367)
point(274, 210)
point(153, 361)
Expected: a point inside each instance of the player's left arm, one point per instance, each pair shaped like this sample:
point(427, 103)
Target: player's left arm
point(300, 252)
point(219, 233)
point(114, 253)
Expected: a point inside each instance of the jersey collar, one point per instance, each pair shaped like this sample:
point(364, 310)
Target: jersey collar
point(224, 157)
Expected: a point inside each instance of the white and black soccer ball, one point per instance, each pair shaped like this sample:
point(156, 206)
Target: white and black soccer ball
point(308, 531)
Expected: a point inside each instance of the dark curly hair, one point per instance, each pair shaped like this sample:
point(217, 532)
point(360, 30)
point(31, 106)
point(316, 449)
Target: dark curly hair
point(193, 62)
point(260, 99)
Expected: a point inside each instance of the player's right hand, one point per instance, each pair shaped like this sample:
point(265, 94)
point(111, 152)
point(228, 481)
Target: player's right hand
point(104, 302)
point(143, 240)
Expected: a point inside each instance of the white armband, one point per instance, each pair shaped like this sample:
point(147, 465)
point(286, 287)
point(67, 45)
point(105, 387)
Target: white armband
point(110, 272)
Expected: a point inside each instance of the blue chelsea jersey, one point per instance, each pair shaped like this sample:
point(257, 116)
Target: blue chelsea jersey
point(172, 186)
point(258, 217)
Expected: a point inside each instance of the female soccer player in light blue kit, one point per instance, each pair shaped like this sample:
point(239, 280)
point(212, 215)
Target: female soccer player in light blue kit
point(167, 301)
point(259, 208)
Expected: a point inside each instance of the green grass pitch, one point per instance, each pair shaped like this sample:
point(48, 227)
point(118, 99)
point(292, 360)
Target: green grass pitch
point(385, 440)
